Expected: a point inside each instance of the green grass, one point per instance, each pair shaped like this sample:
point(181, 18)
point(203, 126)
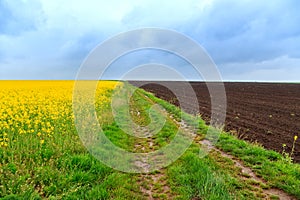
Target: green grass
point(270, 165)
point(196, 178)
point(75, 175)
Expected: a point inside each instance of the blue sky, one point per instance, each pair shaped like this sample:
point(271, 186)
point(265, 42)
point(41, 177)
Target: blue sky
point(248, 39)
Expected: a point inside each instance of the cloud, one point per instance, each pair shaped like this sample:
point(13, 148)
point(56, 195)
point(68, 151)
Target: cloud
point(19, 16)
point(246, 31)
point(168, 14)
point(49, 39)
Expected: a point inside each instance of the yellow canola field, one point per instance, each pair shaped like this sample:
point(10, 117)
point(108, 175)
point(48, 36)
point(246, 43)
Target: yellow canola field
point(40, 109)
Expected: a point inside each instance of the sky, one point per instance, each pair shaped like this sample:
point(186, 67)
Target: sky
point(248, 40)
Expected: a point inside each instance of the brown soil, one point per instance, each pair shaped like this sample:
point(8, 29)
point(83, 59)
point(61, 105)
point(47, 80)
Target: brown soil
point(267, 113)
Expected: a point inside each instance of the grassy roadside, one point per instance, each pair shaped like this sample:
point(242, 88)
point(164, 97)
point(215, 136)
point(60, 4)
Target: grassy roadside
point(192, 177)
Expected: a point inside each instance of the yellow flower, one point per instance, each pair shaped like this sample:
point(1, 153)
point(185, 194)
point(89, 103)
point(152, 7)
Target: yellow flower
point(42, 108)
point(295, 137)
